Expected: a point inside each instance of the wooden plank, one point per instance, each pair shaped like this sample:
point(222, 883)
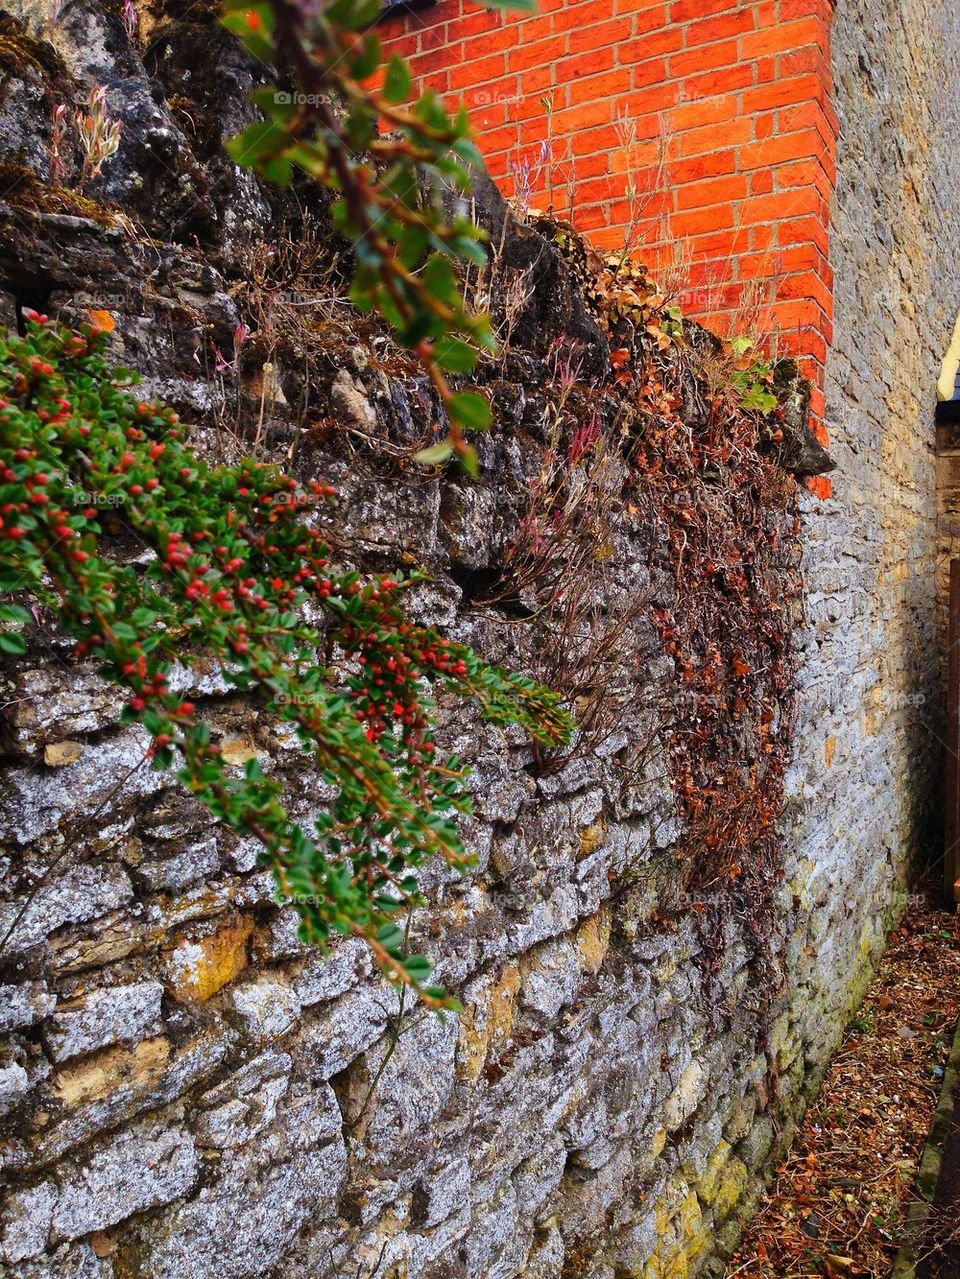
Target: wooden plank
point(951, 862)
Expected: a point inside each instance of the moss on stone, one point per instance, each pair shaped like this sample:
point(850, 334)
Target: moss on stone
point(21, 52)
point(23, 189)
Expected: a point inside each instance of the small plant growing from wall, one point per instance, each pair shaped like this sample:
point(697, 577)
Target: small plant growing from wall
point(389, 183)
point(99, 133)
point(236, 553)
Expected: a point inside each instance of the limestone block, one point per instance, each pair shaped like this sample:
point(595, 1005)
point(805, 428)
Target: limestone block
point(139, 1169)
point(14, 1081)
point(266, 1006)
point(486, 1021)
point(416, 1080)
point(241, 1222)
point(549, 976)
point(335, 1035)
point(38, 800)
point(755, 1147)
point(442, 1193)
point(103, 1017)
point(326, 976)
point(81, 893)
point(687, 1095)
point(23, 1005)
point(197, 861)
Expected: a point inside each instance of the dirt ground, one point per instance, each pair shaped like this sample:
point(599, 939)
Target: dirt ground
point(837, 1206)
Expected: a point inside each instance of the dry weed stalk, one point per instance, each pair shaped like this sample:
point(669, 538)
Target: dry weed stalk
point(564, 573)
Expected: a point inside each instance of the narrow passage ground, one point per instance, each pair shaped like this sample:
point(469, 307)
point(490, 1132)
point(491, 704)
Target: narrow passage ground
point(836, 1207)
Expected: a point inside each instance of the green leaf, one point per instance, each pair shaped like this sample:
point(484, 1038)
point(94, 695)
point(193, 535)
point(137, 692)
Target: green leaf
point(255, 143)
point(363, 64)
point(13, 613)
point(12, 643)
point(418, 967)
point(439, 278)
point(469, 410)
point(435, 455)
point(455, 355)
point(397, 82)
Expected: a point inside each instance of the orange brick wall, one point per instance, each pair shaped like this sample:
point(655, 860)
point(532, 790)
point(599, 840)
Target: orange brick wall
point(716, 114)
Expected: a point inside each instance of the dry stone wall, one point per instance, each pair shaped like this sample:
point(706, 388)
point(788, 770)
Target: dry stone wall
point(869, 750)
point(187, 1090)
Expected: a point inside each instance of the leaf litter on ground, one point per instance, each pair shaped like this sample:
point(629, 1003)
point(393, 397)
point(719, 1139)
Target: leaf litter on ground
point(836, 1207)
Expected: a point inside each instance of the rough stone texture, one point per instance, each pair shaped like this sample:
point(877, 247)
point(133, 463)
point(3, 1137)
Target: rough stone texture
point(186, 1090)
point(866, 780)
point(103, 1017)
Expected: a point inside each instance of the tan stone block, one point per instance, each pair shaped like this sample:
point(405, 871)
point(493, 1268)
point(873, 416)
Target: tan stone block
point(487, 1022)
point(593, 940)
point(100, 1075)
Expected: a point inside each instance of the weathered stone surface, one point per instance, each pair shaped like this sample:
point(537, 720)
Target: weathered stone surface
point(103, 1017)
point(78, 894)
point(266, 1006)
point(24, 1004)
point(139, 1169)
point(600, 1106)
point(197, 969)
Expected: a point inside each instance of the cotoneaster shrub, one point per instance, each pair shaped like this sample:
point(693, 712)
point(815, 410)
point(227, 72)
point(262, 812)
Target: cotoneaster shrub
point(235, 553)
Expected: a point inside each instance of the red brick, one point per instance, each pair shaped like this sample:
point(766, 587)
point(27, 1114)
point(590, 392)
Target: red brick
point(720, 27)
point(474, 73)
point(431, 38)
point(585, 64)
point(650, 44)
point(699, 221)
point(715, 137)
point(702, 166)
point(573, 120)
point(803, 89)
point(685, 10)
point(699, 195)
point(804, 230)
point(591, 88)
point(723, 81)
point(711, 110)
point(770, 152)
point(779, 206)
point(785, 37)
point(702, 60)
point(537, 54)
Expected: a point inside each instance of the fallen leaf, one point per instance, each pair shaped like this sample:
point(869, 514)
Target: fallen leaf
point(103, 320)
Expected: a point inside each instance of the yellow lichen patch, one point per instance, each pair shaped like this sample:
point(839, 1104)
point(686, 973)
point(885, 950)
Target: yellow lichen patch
point(829, 750)
point(708, 1187)
point(198, 969)
point(102, 1074)
point(592, 940)
point(238, 750)
point(731, 1187)
point(60, 754)
point(487, 1023)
